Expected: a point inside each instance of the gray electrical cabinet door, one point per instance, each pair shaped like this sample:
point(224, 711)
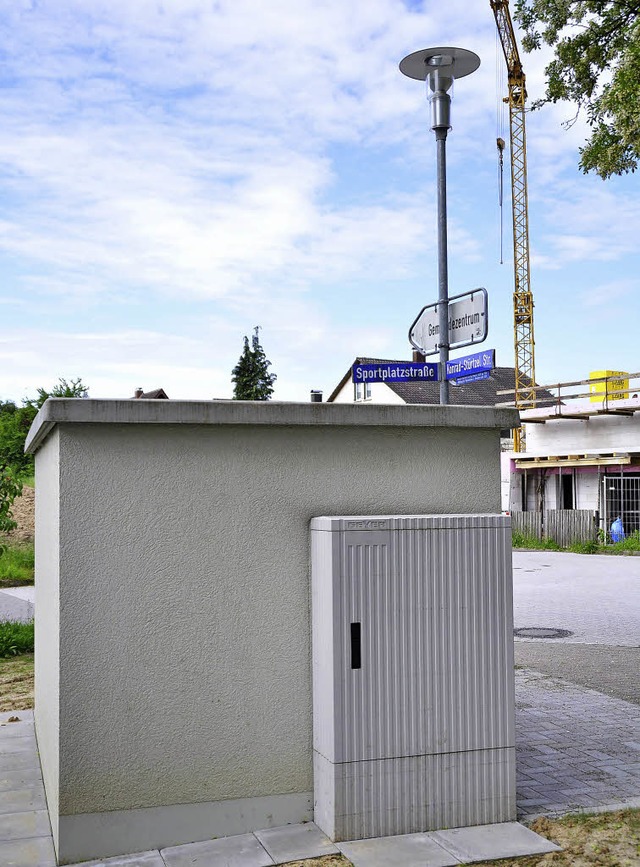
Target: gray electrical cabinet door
point(413, 694)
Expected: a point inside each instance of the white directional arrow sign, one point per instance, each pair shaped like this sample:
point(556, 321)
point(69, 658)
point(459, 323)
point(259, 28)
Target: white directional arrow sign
point(468, 323)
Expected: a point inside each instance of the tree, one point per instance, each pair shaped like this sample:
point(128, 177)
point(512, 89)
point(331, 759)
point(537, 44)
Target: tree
point(15, 423)
point(74, 388)
point(597, 67)
point(251, 374)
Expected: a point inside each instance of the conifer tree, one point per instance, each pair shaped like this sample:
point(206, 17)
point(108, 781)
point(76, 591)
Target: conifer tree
point(251, 374)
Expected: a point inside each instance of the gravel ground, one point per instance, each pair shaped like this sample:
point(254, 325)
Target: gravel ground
point(23, 510)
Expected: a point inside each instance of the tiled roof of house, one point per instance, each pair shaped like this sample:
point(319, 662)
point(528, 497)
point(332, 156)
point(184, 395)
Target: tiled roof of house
point(479, 393)
point(156, 394)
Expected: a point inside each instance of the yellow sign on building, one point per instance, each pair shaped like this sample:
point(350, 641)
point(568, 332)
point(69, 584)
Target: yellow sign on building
point(616, 387)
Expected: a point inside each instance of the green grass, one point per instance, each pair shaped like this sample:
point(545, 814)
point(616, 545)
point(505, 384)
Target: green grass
point(29, 481)
point(16, 563)
point(15, 638)
point(590, 547)
point(520, 540)
point(629, 545)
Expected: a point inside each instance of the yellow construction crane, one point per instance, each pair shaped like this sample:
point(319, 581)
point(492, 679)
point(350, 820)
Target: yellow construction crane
point(525, 394)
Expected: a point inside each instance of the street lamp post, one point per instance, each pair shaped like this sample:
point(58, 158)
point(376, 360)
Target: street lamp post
point(439, 67)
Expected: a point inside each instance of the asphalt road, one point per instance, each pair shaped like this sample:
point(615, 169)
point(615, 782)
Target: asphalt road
point(597, 599)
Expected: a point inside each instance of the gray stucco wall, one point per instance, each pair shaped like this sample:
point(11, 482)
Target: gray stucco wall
point(184, 671)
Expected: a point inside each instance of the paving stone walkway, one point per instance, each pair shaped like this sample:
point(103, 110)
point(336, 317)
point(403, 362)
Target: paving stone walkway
point(577, 749)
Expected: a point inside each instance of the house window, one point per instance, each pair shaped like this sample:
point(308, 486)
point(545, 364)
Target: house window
point(362, 391)
point(566, 491)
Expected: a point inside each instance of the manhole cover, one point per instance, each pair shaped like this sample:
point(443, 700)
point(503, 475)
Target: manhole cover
point(541, 632)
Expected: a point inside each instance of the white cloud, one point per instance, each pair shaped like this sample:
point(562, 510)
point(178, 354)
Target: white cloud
point(608, 294)
point(256, 164)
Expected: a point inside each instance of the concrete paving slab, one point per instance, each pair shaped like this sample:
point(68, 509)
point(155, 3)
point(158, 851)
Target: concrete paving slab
point(28, 853)
point(17, 745)
point(23, 800)
point(140, 859)
point(409, 850)
point(17, 761)
point(27, 593)
point(8, 730)
point(21, 826)
point(25, 778)
point(489, 842)
point(295, 842)
point(14, 608)
point(243, 850)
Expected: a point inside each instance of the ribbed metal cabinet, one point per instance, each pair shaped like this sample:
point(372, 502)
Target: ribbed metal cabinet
point(413, 693)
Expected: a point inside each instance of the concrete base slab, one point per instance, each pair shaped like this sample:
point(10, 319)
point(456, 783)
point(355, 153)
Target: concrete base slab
point(295, 842)
point(489, 842)
point(410, 850)
point(140, 859)
point(241, 851)
point(86, 836)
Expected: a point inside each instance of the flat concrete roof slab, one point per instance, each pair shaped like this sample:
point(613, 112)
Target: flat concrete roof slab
point(62, 410)
point(489, 842)
point(240, 851)
point(409, 850)
point(296, 842)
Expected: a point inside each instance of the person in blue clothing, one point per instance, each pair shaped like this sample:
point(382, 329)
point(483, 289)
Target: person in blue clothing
point(617, 530)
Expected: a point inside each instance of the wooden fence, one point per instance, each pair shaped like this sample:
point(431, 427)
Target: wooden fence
point(564, 526)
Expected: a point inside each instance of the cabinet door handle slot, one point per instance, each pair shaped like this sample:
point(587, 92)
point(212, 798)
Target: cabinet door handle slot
point(356, 653)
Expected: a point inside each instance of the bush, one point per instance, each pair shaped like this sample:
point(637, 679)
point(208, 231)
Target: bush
point(15, 638)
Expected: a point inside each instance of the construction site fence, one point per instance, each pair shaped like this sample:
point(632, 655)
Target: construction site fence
point(615, 387)
point(564, 526)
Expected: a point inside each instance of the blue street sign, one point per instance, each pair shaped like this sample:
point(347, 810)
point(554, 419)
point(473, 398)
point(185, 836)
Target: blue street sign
point(399, 371)
point(471, 365)
point(475, 377)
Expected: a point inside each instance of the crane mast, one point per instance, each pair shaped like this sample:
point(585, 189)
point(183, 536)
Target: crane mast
point(525, 394)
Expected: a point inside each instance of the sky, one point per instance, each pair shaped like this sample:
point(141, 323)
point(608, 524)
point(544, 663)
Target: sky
point(174, 173)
